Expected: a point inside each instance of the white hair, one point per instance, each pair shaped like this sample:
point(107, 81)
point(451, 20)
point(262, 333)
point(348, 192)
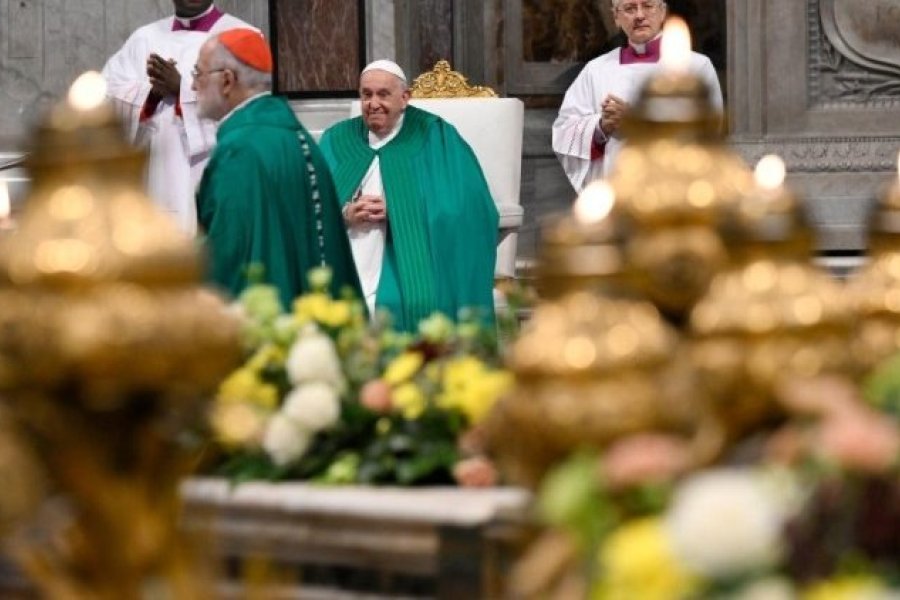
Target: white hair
point(253, 79)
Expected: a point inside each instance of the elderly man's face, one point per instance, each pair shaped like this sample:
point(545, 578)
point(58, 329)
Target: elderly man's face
point(641, 20)
point(208, 84)
point(384, 98)
point(190, 8)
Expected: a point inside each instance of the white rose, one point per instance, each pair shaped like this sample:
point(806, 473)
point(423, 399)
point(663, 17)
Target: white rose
point(771, 588)
point(313, 357)
point(314, 406)
point(285, 441)
point(723, 522)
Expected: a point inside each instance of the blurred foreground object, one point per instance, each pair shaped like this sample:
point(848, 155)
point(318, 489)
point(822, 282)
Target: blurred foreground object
point(108, 351)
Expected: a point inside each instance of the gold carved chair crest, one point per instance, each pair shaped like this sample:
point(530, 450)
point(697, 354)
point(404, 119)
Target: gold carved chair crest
point(444, 82)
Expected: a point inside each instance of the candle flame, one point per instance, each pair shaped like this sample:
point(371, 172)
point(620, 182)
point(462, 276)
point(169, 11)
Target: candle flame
point(4, 200)
point(676, 45)
point(88, 91)
point(770, 172)
point(595, 202)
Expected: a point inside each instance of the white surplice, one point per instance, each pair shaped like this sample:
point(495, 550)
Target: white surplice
point(179, 146)
point(579, 115)
point(367, 239)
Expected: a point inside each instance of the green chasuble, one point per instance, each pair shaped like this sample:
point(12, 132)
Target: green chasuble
point(441, 243)
point(268, 199)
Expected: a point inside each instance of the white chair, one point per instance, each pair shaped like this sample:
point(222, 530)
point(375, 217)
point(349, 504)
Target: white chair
point(493, 127)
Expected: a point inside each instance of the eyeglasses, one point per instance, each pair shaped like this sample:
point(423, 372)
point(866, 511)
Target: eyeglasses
point(197, 73)
point(631, 10)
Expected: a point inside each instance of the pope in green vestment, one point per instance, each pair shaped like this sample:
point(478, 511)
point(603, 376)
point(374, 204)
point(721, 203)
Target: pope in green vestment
point(267, 198)
point(441, 238)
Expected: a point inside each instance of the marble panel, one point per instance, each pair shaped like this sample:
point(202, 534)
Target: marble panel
point(318, 46)
point(435, 31)
point(563, 30)
point(23, 23)
point(85, 36)
point(381, 35)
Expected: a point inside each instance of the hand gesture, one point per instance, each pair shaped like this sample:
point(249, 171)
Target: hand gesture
point(365, 209)
point(612, 110)
point(164, 77)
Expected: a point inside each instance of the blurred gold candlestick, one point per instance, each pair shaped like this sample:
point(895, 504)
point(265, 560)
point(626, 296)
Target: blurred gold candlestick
point(591, 361)
point(672, 181)
point(771, 315)
point(109, 349)
point(875, 289)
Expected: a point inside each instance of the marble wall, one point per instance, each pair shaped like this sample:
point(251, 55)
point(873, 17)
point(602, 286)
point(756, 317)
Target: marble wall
point(318, 45)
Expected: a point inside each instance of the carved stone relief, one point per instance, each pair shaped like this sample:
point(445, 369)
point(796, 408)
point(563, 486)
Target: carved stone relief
point(854, 53)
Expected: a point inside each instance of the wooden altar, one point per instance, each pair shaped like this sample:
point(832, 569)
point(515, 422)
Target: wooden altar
point(356, 542)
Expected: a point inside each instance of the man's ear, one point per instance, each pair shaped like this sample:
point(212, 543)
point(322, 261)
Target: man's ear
point(229, 79)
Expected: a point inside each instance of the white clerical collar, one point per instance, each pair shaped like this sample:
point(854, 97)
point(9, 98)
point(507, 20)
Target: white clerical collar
point(376, 142)
point(242, 105)
point(642, 48)
point(186, 23)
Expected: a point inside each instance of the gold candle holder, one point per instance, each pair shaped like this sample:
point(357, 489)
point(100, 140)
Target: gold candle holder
point(771, 314)
point(108, 351)
point(591, 362)
point(875, 289)
point(673, 180)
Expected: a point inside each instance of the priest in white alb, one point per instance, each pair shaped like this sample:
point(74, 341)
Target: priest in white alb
point(586, 135)
point(149, 80)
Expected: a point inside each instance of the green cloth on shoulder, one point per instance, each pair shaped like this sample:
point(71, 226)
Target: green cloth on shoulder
point(442, 240)
point(257, 203)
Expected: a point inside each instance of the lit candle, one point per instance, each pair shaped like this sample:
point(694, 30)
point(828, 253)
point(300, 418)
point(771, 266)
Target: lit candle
point(88, 91)
point(770, 173)
point(5, 208)
point(595, 202)
point(675, 50)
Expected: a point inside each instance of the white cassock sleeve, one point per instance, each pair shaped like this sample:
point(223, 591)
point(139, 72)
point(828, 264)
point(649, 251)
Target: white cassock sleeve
point(127, 83)
point(573, 129)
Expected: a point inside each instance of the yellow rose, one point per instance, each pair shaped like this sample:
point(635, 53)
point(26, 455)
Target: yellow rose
point(472, 388)
point(237, 425)
point(858, 587)
point(336, 314)
point(309, 307)
point(409, 400)
point(244, 386)
point(267, 355)
point(403, 368)
point(637, 561)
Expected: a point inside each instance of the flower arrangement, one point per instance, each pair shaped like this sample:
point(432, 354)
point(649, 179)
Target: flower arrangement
point(808, 510)
point(326, 394)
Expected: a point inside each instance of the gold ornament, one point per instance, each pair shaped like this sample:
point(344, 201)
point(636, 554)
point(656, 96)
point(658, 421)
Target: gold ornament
point(108, 351)
point(875, 289)
point(771, 315)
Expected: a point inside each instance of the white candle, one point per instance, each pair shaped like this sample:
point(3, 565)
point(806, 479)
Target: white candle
point(5, 207)
point(595, 202)
point(676, 45)
point(88, 91)
point(770, 172)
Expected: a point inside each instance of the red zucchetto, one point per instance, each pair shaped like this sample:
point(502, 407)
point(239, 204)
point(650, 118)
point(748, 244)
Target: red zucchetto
point(249, 47)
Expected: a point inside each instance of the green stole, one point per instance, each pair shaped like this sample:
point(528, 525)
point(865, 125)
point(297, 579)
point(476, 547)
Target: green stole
point(408, 219)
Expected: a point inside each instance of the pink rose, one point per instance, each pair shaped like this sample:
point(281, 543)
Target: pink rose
point(860, 439)
point(818, 396)
point(376, 396)
point(644, 458)
point(477, 471)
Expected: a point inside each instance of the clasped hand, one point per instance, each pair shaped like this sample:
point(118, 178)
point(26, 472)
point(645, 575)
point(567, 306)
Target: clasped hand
point(612, 110)
point(164, 76)
point(365, 209)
